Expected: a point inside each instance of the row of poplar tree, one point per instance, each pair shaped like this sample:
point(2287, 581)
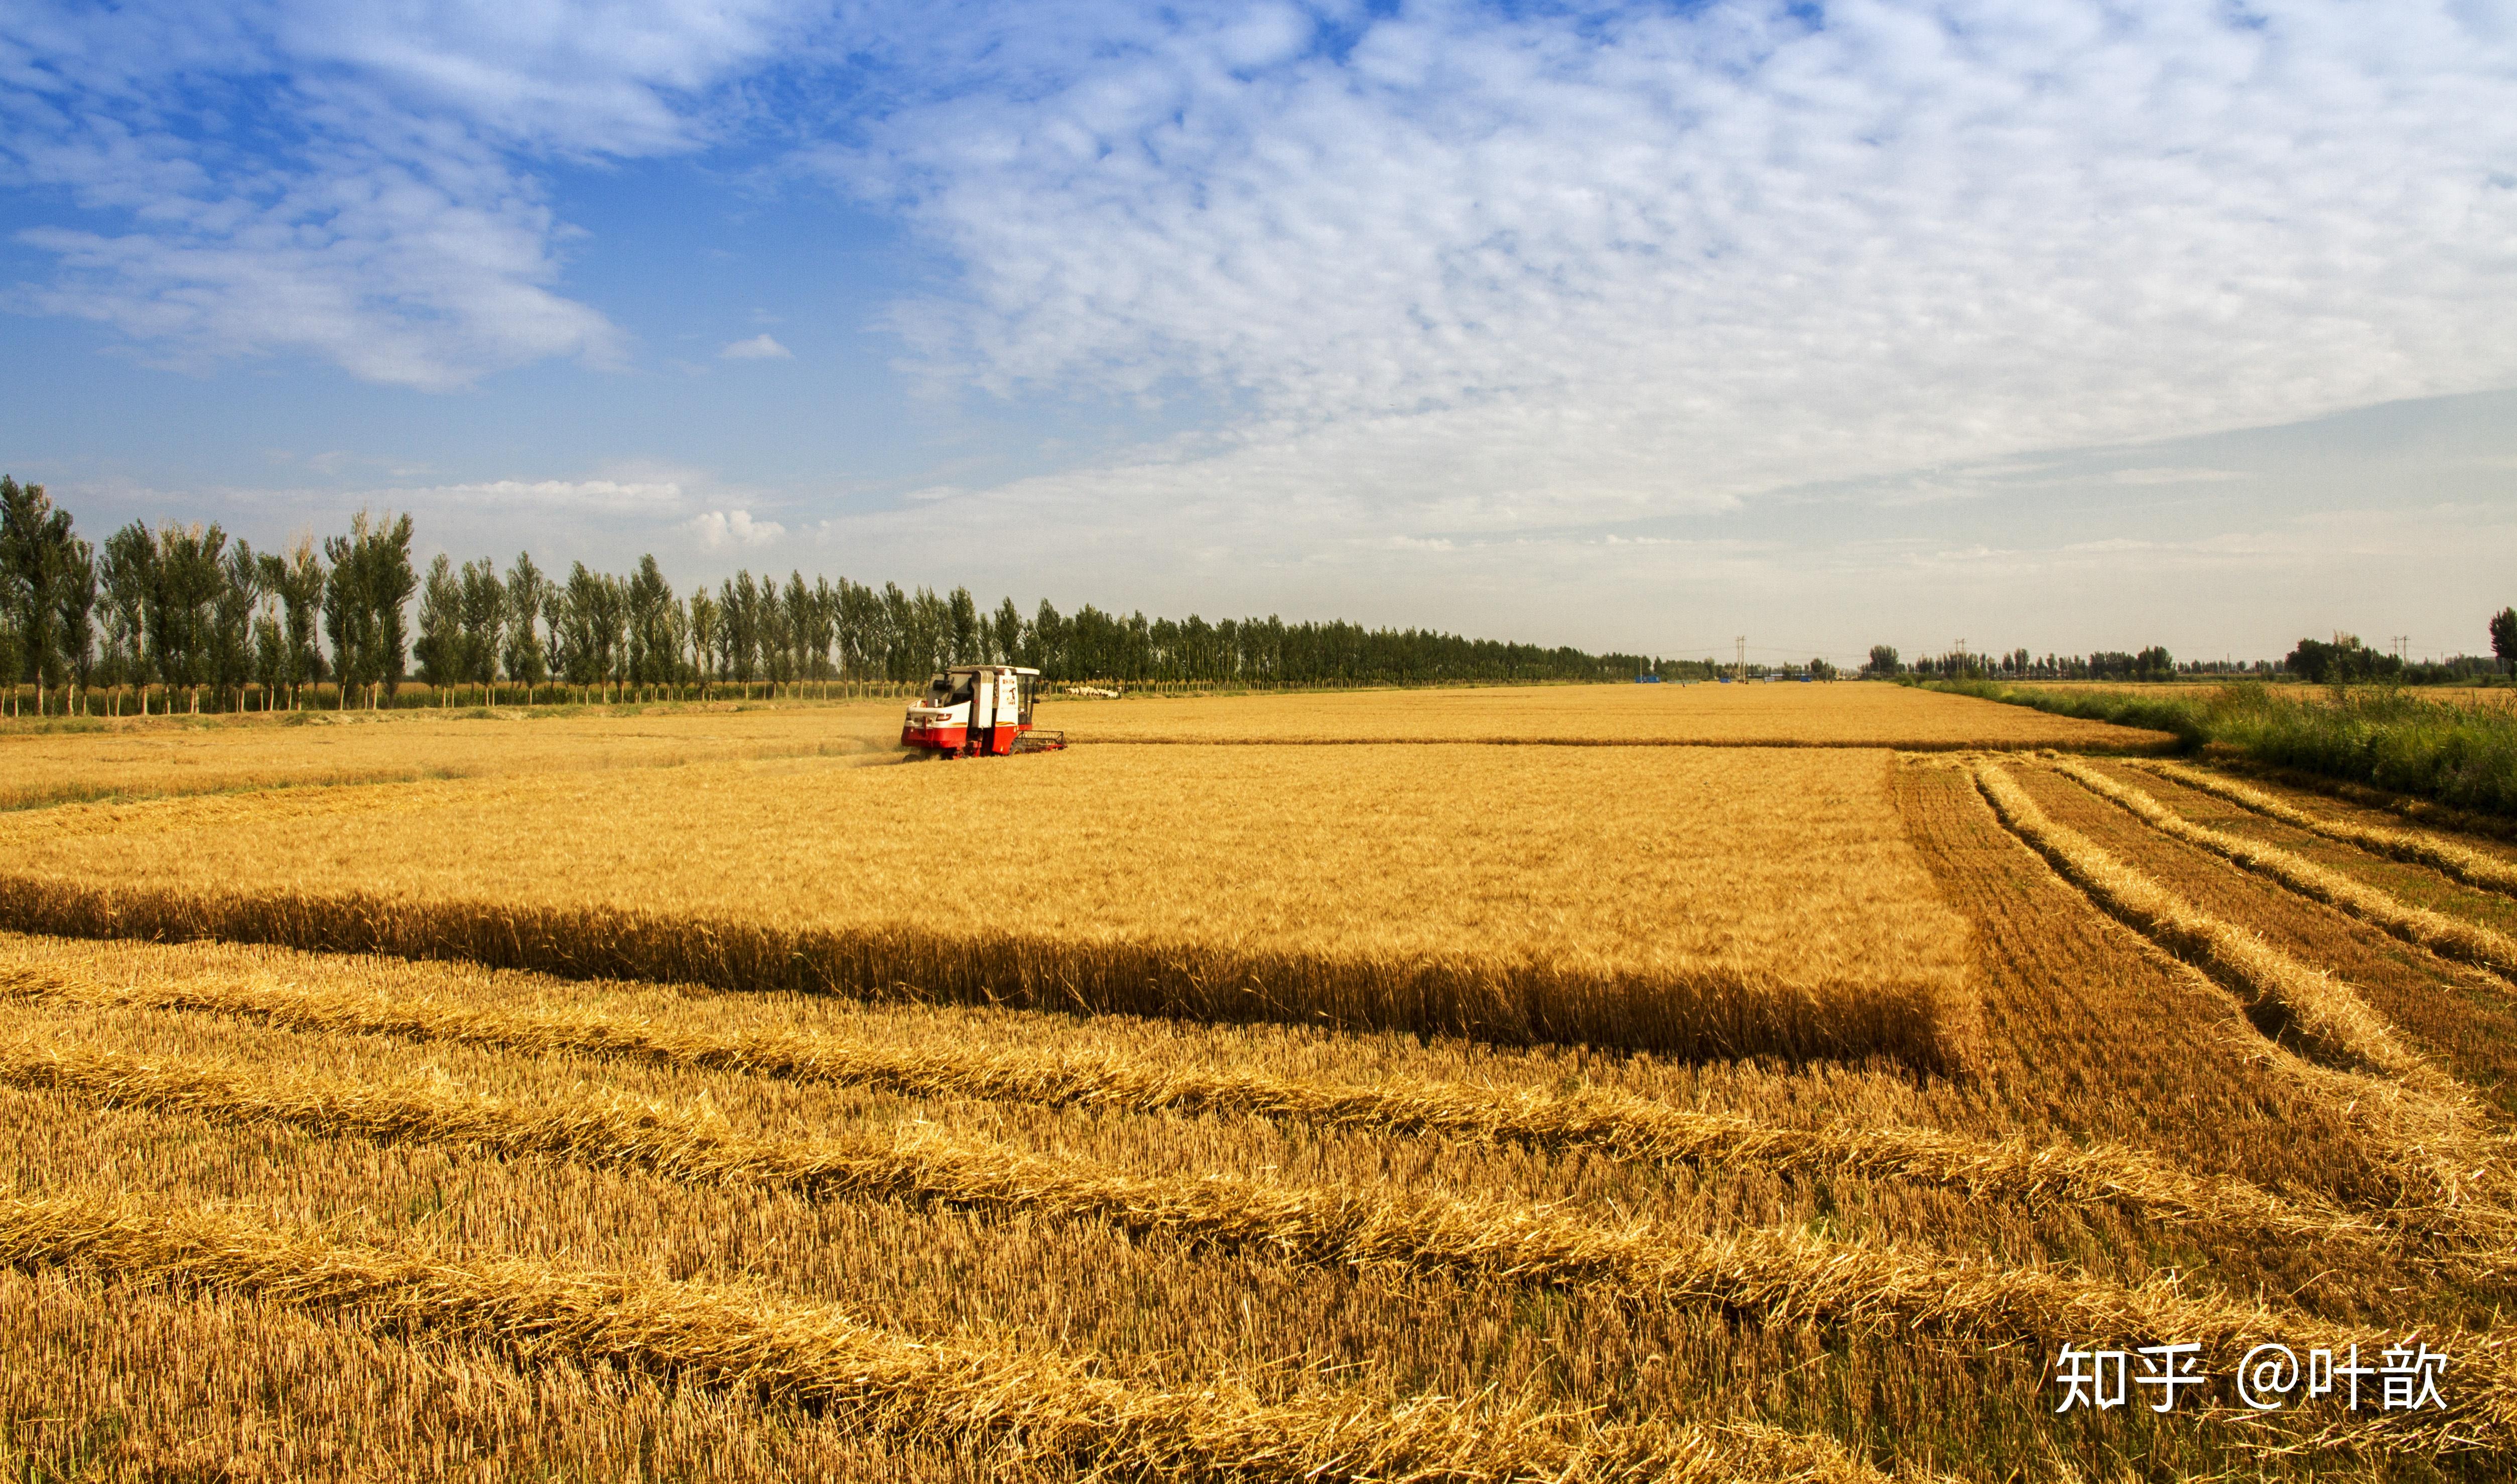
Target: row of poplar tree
point(186, 607)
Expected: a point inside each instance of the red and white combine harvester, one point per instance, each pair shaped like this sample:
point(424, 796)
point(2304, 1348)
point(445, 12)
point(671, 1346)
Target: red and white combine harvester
point(978, 711)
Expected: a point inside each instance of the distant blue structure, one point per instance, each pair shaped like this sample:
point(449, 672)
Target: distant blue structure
point(1648, 680)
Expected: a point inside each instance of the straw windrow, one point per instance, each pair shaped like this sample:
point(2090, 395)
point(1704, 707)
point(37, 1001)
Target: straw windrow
point(2473, 867)
point(881, 1382)
point(1770, 1277)
point(1777, 1276)
point(2437, 932)
point(2327, 1012)
point(1618, 1124)
point(2422, 1122)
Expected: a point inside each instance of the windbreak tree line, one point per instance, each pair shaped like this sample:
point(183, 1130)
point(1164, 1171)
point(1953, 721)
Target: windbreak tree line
point(185, 608)
point(597, 629)
point(2345, 660)
point(204, 619)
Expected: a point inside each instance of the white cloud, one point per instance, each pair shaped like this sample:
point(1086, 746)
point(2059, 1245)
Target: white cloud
point(2167, 476)
point(719, 529)
point(597, 497)
point(1495, 270)
point(760, 347)
point(345, 181)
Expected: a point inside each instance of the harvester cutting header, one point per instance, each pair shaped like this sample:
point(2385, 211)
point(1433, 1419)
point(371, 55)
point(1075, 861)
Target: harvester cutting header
point(978, 711)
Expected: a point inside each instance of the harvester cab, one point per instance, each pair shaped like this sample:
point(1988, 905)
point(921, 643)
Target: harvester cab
point(978, 711)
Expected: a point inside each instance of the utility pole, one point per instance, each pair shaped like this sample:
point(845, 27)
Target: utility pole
point(2400, 641)
point(1962, 660)
point(1743, 666)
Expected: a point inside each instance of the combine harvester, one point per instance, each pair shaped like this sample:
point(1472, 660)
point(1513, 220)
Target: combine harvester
point(978, 711)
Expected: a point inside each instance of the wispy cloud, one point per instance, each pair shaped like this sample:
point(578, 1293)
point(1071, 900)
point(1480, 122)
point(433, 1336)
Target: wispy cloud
point(352, 181)
point(721, 529)
point(1633, 257)
point(760, 347)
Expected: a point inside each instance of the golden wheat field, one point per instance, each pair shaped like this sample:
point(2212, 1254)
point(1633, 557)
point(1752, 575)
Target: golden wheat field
point(1757, 715)
point(1428, 1112)
point(133, 757)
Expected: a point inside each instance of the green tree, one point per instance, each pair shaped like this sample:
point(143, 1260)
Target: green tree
point(299, 578)
point(655, 630)
point(2503, 638)
point(129, 575)
point(529, 595)
point(701, 628)
point(483, 612)
point(231, 634)
point(192, 578)
point(47, 590)
point(440, 646)
point(363, 601)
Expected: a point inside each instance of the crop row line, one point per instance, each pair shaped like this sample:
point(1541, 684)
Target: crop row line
point(2441, 934)
point(885, 1383)
point(2098, 748)
point(2473, 867)
point(1616, 1125)
point(2424, 1121)
point(1773, 1277)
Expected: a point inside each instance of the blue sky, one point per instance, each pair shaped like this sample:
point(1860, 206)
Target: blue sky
point(2043, 323)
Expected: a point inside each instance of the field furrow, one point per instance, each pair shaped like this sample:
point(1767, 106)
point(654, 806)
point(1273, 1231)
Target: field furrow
point(2461, 1017)
point(2328, 1014)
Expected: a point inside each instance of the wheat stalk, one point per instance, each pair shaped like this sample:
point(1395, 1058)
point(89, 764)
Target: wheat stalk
point(1771, 1277)
point(1716, 1012)
point(2441, 934)
point(1777, 1276)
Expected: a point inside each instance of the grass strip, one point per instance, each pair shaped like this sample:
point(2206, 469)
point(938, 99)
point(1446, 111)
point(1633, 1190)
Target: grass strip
point(1718, 1013)
point(1616, 1125)
point(878, 1380)
point(2441, 934)
point(2413, 847)
point(2463, 755)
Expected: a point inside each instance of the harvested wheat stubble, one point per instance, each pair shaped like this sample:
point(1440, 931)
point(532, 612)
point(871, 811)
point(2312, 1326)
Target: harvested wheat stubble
point(1715, 1014)
point(2471, 866)
point(872, 1378)
point(2458, 1174)
point(2435, 931)
point(2326, 1012)
point(1619, 1124)
point(1776, 1277)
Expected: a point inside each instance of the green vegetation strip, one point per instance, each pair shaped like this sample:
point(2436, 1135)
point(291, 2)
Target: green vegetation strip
point(2443, 751)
